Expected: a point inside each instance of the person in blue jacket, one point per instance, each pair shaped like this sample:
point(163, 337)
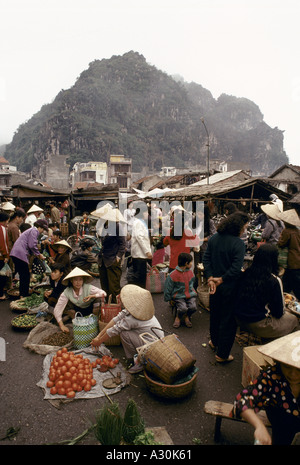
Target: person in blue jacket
point(179, 290)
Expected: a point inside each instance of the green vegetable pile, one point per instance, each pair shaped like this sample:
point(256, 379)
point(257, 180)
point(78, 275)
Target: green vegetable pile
point(33, 300)
point(133, 423)
point(108, 429)
point(112, 429)
point(24, 321)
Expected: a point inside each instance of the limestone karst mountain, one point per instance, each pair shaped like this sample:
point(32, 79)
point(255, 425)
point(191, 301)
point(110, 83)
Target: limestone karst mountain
point(125, 105)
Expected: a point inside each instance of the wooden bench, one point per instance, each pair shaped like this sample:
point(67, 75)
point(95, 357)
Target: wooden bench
point(222, 410)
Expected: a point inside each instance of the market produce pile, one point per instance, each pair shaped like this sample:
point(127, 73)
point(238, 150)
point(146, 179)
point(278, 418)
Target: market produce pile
point(32, 301)
point(70, 373)
point(24, 321)
point(57, 339)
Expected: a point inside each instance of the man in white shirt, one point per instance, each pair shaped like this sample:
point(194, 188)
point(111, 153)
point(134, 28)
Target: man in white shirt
point(140, 248)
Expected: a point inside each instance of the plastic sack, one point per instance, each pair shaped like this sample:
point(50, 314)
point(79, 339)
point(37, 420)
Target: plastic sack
point(5, 270)
point(34, 341)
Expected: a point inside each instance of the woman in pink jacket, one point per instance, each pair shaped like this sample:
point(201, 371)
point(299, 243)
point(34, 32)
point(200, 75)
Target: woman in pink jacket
point(24, 246)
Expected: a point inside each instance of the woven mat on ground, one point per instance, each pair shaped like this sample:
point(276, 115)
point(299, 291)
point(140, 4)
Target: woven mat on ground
point(245, 339)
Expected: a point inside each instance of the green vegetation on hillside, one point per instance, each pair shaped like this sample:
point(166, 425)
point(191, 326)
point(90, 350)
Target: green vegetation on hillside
point(124, 105)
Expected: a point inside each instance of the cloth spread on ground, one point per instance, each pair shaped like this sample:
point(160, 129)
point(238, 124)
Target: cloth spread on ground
point(98, 390)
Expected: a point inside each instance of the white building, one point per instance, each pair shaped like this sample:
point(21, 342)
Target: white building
point(168, 171)
point(92, 171)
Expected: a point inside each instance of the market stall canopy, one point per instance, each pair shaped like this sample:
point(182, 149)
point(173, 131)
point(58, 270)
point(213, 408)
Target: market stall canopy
point(253, 189)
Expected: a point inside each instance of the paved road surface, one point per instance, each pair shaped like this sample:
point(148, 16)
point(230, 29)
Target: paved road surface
point(22, 404)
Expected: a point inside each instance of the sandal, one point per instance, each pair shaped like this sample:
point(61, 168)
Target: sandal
point(176, 324)
point(188, 323)
point(211, 345)
point(224, 360)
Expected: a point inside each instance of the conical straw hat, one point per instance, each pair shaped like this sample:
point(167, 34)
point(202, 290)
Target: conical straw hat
point(8, 206)
point(285, 349)
point(35, 208)
point(271, 210)
point(62, 242)
point(108, 213)
point(290, 217)
point(77, 272)
point(177, 207)
point(137, 301)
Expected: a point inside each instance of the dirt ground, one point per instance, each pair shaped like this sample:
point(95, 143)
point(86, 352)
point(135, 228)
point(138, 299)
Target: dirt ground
point(22, 404)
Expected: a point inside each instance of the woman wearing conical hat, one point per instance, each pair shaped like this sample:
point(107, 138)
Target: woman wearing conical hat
point(290, 237)
point(79, 296)
point(136, 318)
point(63, 250)
point(274, 225)
point(33, 214)
point(277, 391)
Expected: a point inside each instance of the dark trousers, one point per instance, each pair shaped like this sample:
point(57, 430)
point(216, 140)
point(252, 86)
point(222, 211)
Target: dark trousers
point(185, 307)
point(291, 282)
point(222, 321)
point(110, 279)
point(139, 274)
point(284, 426)
point(22, 269)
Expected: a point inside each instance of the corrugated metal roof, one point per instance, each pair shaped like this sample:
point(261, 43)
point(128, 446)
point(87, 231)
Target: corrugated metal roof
point(222, 187)
point(220, 177)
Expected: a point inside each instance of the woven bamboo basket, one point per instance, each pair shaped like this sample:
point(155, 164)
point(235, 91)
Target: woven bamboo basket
point(167, 358)
point(13, 293)
point(170, 391)
point(17, 306)
point(28, 327)
point(203, 296)
point(109, 310)
point(92, 273)
point(113, 341)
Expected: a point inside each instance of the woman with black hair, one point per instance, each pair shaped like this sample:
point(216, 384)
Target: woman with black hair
point(223, 261)
point(259, 301)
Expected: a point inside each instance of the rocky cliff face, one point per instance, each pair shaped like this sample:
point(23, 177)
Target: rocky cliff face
point(124, 105)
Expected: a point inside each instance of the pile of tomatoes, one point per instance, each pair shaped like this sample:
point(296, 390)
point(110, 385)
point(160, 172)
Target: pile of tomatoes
point(106, 362)
point(70, 373)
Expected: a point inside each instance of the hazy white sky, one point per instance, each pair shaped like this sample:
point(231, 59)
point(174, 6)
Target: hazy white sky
point(245, 48)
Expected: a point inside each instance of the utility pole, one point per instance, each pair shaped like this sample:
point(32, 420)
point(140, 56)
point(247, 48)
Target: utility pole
point(207, 162)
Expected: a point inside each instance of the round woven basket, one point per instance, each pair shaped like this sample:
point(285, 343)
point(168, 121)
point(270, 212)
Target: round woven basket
point(23, 328)
point(15, 306)
point(170, 391)
point(112, 341)
point(13, 293)
point(92, 273)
